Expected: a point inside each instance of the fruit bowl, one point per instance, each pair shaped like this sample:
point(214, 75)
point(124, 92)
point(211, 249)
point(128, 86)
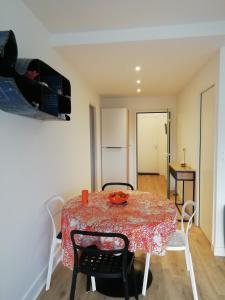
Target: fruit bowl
point(118, 197)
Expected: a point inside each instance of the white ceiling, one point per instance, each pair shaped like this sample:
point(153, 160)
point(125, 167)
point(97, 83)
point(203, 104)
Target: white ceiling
point(87, 15)
point(91, 35)
point(166, 65)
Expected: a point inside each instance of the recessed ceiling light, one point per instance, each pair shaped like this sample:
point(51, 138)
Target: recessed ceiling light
point(138, 81)
point(138, 90)
point(137, 68)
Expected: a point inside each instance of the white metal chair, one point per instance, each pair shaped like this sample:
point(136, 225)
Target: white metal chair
point(178, 241)
point(54, 207)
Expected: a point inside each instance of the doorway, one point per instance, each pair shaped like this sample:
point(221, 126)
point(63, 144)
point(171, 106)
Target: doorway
point(206, 160)
point(92, 118)
point(152, 148)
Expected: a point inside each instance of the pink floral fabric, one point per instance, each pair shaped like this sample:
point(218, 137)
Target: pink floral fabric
point(147, 220)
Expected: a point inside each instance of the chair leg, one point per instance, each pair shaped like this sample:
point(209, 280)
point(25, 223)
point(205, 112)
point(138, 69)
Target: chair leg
point(187, 259)
point(73, 286)
point(126, 291)
point(145, 280)
point(88, 283)
point(93, 283)
point(192, 275)
point(134, 282)
point(50, 264)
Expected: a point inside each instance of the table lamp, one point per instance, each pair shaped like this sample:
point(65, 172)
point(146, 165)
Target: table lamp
point(183, 164)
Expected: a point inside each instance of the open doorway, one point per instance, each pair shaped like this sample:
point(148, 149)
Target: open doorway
point(92, 118)
point(153, 148)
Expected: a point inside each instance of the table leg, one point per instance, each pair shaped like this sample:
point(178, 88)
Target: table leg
point(145, 279)
point(168, 185)
point(175, 194)
point(183, 193)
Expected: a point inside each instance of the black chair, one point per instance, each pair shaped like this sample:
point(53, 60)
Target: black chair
point(113, 263)
point(130, 186)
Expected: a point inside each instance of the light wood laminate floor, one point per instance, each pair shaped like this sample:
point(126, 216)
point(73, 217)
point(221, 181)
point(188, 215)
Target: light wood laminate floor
point(170, 278)
point(152, 183)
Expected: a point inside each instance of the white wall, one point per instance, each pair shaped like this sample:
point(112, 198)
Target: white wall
point(152, 143)
point(143, 104)
point(188, 114)
point(219, 228)
point(37, 159)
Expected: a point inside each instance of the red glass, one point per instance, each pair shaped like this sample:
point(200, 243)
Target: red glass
point(84, 195)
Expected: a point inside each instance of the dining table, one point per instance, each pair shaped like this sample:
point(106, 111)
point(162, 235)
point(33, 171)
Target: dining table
point(147, 219)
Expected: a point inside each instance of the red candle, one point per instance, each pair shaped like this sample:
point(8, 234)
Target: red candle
point(84, 195)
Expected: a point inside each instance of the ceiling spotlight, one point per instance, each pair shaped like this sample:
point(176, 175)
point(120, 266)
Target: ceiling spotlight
point(137, 68)
point(138, 81)
point(138, 90)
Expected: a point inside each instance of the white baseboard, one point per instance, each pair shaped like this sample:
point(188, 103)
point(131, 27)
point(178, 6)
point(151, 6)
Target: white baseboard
point(219, 251)
point(39, 283)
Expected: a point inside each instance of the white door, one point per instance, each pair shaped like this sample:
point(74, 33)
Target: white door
point(147, 144)
point(114, 165)
point(207, 161)
point(152, 143)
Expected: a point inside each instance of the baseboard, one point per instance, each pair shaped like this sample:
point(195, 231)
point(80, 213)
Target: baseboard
point(37, 286)
point(146, 173)
point(39, 283)
point(219, 251)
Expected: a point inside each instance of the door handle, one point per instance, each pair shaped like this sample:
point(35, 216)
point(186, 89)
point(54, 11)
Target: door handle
point(113, 147)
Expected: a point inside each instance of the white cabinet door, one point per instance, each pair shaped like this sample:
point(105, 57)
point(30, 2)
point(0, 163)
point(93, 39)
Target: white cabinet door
point(114, 127)
point(114, 165)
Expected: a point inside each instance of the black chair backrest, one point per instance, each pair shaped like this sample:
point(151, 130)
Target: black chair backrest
point(92, 249)
point(130, 186)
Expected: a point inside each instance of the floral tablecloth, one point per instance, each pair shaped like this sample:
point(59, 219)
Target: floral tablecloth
point(147, 220)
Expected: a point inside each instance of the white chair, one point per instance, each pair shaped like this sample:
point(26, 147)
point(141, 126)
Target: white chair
point(178, 241)
point(54, 207)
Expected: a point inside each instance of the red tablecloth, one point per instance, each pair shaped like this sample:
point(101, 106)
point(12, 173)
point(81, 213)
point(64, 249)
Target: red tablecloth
point(147, 220)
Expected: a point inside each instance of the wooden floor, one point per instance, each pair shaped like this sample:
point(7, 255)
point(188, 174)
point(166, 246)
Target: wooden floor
point(156, 184)
point(170, 278)
point(152, 183)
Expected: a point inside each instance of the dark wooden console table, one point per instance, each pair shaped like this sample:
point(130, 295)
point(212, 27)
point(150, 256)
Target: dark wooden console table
point(183, 174)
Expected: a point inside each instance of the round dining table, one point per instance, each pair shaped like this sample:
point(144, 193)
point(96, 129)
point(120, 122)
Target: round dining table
point(145, 218)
